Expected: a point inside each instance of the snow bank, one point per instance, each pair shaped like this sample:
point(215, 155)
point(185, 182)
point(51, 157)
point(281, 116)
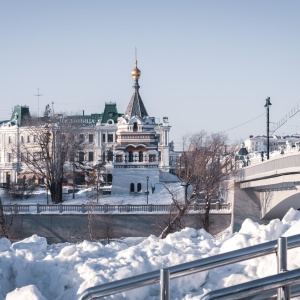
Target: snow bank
point(31, 269)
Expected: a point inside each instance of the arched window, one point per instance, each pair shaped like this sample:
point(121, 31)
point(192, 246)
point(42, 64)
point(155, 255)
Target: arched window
point(140, 156)
point(139, 187)
point(135, 127)
point(130, 156)
point(131, 187)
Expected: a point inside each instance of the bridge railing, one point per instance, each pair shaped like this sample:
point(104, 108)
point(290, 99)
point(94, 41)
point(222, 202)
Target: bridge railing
point(280, 165)
point(112, 208)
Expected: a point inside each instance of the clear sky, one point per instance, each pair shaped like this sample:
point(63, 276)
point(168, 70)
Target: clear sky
point(205, 64)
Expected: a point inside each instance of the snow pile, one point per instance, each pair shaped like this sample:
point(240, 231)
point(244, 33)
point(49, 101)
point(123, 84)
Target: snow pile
point(31, 269)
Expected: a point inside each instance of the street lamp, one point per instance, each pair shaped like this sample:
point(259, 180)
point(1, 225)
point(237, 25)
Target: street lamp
point(147, 188)
point(268, 103)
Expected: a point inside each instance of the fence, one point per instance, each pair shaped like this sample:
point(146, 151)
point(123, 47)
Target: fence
point(279, 165)
point(109, 208)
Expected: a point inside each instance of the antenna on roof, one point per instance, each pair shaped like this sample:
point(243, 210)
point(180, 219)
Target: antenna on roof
point(38, 95)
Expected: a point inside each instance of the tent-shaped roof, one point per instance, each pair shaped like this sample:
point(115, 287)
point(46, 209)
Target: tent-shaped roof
point(136, 106)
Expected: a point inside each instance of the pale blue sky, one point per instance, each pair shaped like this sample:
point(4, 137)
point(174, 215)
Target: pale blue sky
point(205, 64)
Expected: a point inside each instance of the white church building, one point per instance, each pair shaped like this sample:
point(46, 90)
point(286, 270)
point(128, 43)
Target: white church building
point(142, 146)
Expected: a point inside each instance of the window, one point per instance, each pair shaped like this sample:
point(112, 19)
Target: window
point(81, 156)
point(22, 156)
point(91, 156)
point(34, 138)
point(140, 156)
point(91, 138)
point(28, 138)
point(110, 155)
point(139, 187)
point(9, 140)
point(152, 157)
point(131, 187)
point(110, 137)
point(81, 138)
point(22, 139)
point(135, 126)
point(130, 156)
point(9, 157)
point(103, 137)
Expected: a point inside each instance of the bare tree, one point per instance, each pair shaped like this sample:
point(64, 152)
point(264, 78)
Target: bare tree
point(108, 227)
point(202, 166)
point(5, 223)
point(54, 141)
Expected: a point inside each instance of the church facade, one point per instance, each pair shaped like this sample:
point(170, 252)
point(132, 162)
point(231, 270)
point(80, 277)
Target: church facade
point(141, 151)
point(134, 146)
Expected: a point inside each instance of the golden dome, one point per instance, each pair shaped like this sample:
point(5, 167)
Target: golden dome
point(136, 73)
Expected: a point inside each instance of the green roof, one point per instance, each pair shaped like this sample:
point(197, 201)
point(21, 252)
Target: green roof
point(110, 112)
point(19, 113)
point(85, 120)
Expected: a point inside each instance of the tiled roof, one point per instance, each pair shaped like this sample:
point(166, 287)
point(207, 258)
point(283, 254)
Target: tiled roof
point(110, 112)
point(136, 106)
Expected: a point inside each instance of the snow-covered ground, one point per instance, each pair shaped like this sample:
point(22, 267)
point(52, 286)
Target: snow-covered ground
point(31, 269)
point(84, 196)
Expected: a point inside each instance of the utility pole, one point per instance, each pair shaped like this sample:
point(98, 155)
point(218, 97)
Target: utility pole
point(268, 103)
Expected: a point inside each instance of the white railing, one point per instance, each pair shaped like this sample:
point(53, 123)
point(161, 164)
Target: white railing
point(109, 208)
point(281, 165)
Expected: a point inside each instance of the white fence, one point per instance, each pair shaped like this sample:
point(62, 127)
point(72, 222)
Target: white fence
point(107, 208)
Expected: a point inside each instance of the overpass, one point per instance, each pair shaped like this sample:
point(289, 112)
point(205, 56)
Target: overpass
point(265, 191)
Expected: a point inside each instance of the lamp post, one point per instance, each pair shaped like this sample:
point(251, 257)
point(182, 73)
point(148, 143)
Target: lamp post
point(147, 188)
point(73, 181)
point(268, 103)
point(47, 194)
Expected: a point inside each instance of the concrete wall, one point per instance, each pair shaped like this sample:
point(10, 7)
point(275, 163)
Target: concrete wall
point(75, 228)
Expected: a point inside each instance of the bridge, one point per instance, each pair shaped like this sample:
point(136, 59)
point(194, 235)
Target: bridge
point(266, 190)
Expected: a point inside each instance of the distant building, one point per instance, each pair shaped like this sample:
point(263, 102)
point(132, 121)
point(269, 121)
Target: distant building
point(133, 145)
point(277, 143)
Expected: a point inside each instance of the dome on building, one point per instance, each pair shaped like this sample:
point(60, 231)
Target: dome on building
point(243, 151)
point(136, 73)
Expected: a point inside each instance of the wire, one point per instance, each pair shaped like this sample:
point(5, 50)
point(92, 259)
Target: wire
point(242, 123)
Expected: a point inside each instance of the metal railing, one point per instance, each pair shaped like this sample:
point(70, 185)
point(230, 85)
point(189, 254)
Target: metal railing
point(266, 288)
point(110, 208)
point(163, 276)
